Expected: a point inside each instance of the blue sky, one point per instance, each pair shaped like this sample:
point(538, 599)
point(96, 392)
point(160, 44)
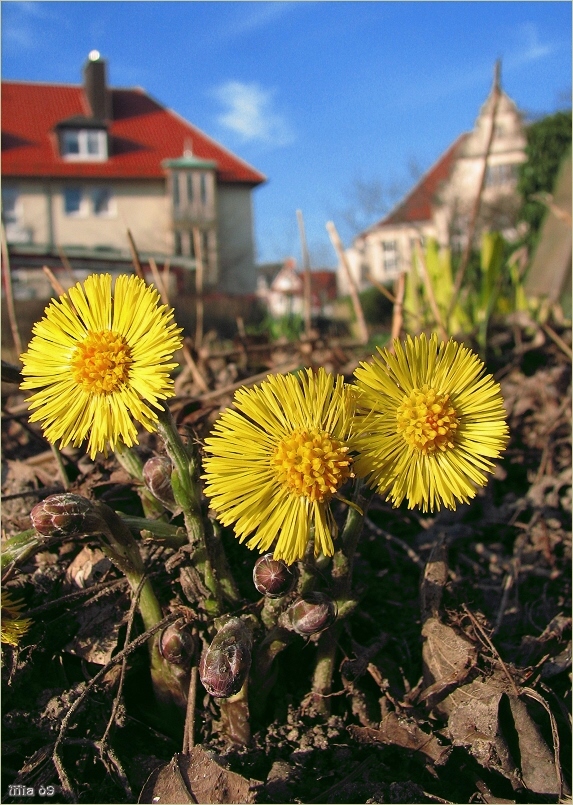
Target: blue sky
point(321, 97)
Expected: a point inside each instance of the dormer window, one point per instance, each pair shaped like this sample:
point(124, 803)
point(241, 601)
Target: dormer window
point(84, 145)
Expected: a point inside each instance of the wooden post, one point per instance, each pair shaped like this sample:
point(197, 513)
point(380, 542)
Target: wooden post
point(198, 286)
point(307, 278)
point(338, 247)
point(10, 295)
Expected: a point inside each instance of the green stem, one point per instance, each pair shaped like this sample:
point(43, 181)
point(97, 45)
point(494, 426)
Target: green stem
point(20, 546)
point(120, 546)
point(208, 556)
point(263, 675)
point(342, 567)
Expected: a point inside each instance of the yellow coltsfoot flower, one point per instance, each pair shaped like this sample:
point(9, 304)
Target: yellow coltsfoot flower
point(101, 362)
point(429, 423)
point(274, 464)
point(13, 626)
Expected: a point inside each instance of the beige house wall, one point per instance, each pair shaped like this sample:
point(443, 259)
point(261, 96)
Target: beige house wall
point(237, 272)
point(140, 206)
point(145, 208)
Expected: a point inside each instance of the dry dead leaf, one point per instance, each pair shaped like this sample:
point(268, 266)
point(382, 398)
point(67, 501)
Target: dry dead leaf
point(99, 624)
point(194, 778)
point(448, 657)
point(88, 567)
point(474, 723)
point(405, 732)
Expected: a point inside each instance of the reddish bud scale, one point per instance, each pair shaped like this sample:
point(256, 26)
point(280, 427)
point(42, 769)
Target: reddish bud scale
point(226, 663)
point(157, 478)
point(177, 644)
point(312, 613)
point(273, 578)
point(64, 515)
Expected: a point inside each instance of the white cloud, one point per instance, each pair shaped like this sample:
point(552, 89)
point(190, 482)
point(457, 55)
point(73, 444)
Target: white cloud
point(531, 49)
point(263, 14)
point(20, 27)
point(250, 113)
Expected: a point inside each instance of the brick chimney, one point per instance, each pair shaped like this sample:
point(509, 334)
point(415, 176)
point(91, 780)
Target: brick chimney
point(95, 86)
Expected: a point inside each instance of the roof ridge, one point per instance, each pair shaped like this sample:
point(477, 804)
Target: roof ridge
point(425, 176)
point(215, 142)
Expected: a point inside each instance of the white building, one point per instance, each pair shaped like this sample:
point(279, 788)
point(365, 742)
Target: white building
point(440, 204)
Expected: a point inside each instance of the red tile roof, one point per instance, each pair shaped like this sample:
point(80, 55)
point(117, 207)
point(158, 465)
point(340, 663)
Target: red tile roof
point(417, 206)
point(142, 134)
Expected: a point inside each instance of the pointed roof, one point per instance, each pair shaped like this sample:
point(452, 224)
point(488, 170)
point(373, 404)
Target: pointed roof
point(142, 134)
point(416, 207)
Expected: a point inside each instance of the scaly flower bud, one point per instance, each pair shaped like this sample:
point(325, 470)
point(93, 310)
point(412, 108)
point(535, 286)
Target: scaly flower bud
point(177, 644)
point(157, 478)
point(273, 578)
point(226, 663)
point(64, 515)
point(312, 613)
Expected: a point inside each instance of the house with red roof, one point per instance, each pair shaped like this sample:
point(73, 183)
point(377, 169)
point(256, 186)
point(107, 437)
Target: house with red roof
point(280, 287)
point(83, 164)
point(440, 204)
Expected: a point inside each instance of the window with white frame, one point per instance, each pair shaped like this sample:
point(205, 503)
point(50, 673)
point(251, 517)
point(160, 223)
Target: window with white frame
point(390, 256)
point(102, 201)
point(499, 175)
point(73, 201)
point(84, 145)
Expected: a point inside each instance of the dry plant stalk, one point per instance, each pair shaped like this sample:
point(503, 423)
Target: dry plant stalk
point(398, 311)
point(196, 373)
point(307, 278)
point(198, 286)
point(158, 280)
point(134, 255)
point(10, 294)
point(337, 243)
point(430, 293)
point(475, 209)
point(54, 281)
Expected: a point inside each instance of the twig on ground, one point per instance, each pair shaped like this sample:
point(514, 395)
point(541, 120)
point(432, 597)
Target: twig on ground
point(397, 541)
point(130, 619)
point(495, 652)
point(189, 731)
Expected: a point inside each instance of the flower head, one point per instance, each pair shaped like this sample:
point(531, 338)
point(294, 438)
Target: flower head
point(13, 626)
point(101, 362)
point(430, 421)
point(275, 462)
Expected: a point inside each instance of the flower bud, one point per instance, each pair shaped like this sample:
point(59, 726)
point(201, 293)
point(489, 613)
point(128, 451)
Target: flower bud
point(312, 613)
point(157, 478)
point(177, 644)
point(226, 663)
point(272, 577)
point(65, 515)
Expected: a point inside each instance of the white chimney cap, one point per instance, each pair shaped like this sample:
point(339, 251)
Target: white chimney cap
point(93, 55)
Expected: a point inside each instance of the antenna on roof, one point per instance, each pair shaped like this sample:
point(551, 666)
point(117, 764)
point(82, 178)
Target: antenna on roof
point(188, 147)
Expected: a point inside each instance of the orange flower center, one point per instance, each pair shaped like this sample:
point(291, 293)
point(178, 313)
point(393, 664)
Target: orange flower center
point(100, 364)
point(312, 463)
point(427, 420)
